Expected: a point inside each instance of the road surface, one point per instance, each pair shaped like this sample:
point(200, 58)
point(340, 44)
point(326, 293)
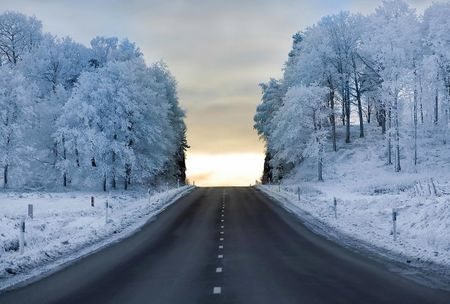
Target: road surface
point(225, 245)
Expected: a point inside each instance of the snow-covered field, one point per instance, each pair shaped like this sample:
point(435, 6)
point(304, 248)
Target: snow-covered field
point(65, 226)
point(367, 191)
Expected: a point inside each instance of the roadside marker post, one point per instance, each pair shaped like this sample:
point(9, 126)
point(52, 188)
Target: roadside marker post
point(30, 211)
point(178, 183)
point(394, 224)
point(22, 237)
point(335, 207)
point(92, 201)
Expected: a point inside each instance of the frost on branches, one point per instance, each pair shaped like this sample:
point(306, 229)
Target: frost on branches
point(390, 69)
point(76, 116)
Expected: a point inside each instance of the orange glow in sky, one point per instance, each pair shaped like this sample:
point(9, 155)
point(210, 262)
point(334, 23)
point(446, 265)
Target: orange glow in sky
point(240, 169)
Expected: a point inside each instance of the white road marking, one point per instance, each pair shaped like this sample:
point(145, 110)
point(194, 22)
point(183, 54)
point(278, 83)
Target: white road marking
point(220, 246)
point(220, 256)
point(219, 269)
point(221, 232)
point(222, 227)
point(223, 215)
point(223, 221)
point(217, 290)
point(221, 239)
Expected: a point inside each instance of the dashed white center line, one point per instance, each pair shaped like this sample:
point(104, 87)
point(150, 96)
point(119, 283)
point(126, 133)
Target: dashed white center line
point(222, 226)
point(221, 239)
point(221, 232)
point(220, 256)
point(220, 246)
point(219, 269)
point(217, 290)
point(223, 221)
point(223, 215)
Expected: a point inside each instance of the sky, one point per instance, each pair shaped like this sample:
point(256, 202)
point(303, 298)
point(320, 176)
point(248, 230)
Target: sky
point(219, 51)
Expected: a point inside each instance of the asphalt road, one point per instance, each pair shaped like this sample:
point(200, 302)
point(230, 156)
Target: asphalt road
point(225, 245)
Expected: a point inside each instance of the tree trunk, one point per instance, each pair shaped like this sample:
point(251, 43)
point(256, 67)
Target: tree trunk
point(104, 182)
point(397, 135)
point(63, 139)
point(421, 112)
point(5, 176)
point(382, 120)
point(360, 114)
point(113, 181)
point(389, 144)
point(127, 176)
point(343, 105)
point(358, 99)
point(347, 112)
point(320, 164)
point(415, 127)
point(333, 120)
point(415, 120)
point(436, 108)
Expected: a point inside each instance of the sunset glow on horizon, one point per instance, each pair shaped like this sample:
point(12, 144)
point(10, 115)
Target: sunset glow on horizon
point(209, 170)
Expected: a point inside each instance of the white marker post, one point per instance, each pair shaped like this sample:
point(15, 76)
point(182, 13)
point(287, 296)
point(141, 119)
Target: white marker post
point(335, 208)
point(178, 183)
point(22, 237)
point(394, 224)
point(30, 211)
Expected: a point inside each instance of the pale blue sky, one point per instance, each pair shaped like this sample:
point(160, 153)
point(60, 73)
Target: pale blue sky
point(218, 50)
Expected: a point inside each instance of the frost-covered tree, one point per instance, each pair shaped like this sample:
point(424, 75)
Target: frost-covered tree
point(106, 49)
point(19, 34)
point(166, 86)
point(15, 106)
point(271, 101)
point(392, 41)
point(122, 129)
point(392, 64)
point(301, 125)
point(74, 115)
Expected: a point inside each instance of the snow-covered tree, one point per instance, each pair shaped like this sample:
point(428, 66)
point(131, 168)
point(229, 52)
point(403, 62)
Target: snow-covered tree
point(19, 34)
point(15, 106)
point(392, 64)
point(301, 125)
point(75, 115)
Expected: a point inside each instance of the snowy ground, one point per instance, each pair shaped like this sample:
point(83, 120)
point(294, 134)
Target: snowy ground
point(65, 227)
point(367, 191)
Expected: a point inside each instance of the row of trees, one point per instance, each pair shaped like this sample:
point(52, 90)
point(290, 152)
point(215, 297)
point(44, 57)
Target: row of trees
point(84, 116)
point(392, 66)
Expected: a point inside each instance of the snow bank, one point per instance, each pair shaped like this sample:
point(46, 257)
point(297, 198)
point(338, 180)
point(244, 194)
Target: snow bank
point(367, 191)
point(65, 226)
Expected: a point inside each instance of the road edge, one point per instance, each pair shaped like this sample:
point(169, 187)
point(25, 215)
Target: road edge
point(429, 274)
point(48, 268)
